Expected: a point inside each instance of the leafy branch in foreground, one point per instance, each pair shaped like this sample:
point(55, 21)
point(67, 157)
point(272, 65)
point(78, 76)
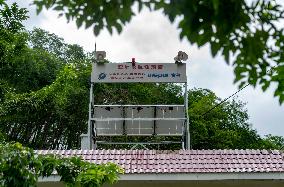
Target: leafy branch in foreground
point(249, 33)
point(20, 166)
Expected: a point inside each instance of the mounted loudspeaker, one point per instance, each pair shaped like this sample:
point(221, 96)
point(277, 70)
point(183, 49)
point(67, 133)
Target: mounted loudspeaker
point(100, 55)
point(182, 56)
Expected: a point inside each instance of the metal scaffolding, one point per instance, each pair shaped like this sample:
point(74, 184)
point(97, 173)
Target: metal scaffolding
point(137, 120)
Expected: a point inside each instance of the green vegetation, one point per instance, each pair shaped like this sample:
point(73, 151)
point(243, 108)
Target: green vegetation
point(44, 91)
point(27, 76)
point(248, 36)
point(225, 127)
point(21, 167)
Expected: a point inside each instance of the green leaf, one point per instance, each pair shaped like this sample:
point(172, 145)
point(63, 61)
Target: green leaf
point(265, 85)
point(79, 22)
point(96, 30)
point(118, 28)
point(140, 6)
point(58, 8)
point(88, 23)
point(226, 53)
point(242, 84)
point(38, 9)
point(109, 28)
point(216, 5)
point(215, 47)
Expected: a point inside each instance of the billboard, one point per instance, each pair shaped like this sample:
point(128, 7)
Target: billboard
point(140, 72)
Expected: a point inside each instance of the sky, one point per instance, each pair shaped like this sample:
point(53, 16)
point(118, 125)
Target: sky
point(151, 38)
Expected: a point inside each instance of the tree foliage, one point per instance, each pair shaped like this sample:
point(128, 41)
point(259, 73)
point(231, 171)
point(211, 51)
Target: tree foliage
point(21, 167)
point(27, 92)
point(45, 41)
point(44, 91)
point(44, 95)
point(11, 17)
point(275, 142)
point(246, 35)
point(52, 117)
point(225, 127)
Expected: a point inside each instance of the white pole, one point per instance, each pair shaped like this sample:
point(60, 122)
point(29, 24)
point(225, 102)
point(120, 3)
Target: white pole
point(187, 138)
point(89, 121)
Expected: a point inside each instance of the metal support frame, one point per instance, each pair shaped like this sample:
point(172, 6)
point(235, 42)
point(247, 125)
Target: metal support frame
point(135, 143)
point(142, 144)
point(155, 123)
point(89, 133)
point(137, 119)
point(187, 129)
point(89, 140)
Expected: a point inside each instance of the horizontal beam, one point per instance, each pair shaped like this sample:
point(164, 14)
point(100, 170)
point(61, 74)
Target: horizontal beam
point(138, 105)
point(139, 135)
point(138, 119)
point(134, 143)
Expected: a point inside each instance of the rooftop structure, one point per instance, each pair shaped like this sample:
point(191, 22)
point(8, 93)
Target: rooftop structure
point(137, 120)
point(183, 161)
point(183, 168)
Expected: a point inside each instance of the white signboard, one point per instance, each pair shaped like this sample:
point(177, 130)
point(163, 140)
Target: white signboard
point(141, 72)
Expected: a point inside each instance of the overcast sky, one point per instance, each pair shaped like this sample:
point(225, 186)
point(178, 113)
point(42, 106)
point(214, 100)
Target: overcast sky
point(150, 38)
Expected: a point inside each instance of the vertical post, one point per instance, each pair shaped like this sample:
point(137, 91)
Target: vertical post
point(155, 121)
point(89, 120)
point(187, 135)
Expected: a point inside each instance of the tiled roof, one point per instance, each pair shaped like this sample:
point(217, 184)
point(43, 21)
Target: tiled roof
point(183, 161)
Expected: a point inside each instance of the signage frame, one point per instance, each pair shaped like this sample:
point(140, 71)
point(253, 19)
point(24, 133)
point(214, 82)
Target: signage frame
point(89, 140)
point(140, 72)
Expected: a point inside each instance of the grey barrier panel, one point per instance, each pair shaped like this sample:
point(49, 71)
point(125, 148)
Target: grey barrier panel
point(170, 127)
point(139, 120)
point(109, 127)
point(170, 112)
point(139, 127)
